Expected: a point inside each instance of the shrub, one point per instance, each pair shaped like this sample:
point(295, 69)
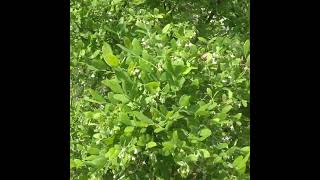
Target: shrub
point(159, 92)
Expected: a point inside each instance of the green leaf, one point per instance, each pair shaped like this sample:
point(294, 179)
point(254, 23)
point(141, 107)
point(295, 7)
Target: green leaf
point(93, 151)
point(202, 39)
point(136, 46)
point(181, 82)
point(185, 72)
point(77, 163)
point(114, 85)
point(226, 109)
point(246, 149)
point(112, 60)
point(247, 157)
point(146, 56)
point(205, 133)
point(205, 152)
point(240, 163)
point(151, 145)
point(113, 152)
point(244, 103)
point(159, 16)
point(143, 139)
point(142, 117)
point(98, 162)
point(152, 86)
point(168, 148)
point(96, 115)
point(96, 96)
point(192, 158)
point(126, 49)
point(140, 25)
point(195, 83)
point(157, 130)
point(138, 2)
point(246, 47)
point(222, 146)
point(184, 100)
point(121, 97)
point(111, 99)
point(212, 105)
point(193, 139)
point(127, 42)
point(129, 129)
point(216, 120)
point(95, 54)
point(209, 92)
point(142, 124)
point(114, 2)
point(175, 137)
point(92, 100)
point(123, 118)
point(238, 116)
point(109, 140)
point(165, 30)
point(202, 111)
point(106, 50)
point(145, 65)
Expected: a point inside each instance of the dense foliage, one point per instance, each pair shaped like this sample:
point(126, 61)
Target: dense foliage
point(160, 89)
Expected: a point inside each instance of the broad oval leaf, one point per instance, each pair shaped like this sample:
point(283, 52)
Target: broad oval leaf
point(112, 60)
point(151, 145)
point(142, 117)
point(129, 129)
point(205, 133)
point(157, 130)
point(106, 50)
point(121, 97)
point(136, 46)
point(184, 100)
point(192, 157)
point(205, 152)
point(113, 84)
point(226, 109)
point(246, 47)
point(165, 30)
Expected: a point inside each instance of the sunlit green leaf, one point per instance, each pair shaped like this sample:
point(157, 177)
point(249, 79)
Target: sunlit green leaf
point(205, 133)
point(121, 97)
point(166, 28)
point(151, 145)
point(184, 100)
point(113, 85)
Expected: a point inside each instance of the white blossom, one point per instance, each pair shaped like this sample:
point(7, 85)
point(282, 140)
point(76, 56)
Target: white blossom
point(232, 128)
point(188, 45)
point(121, 155)
point(135, 151)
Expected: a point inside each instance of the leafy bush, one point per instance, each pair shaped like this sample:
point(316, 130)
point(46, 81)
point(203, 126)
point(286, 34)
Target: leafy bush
point(160, 89)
